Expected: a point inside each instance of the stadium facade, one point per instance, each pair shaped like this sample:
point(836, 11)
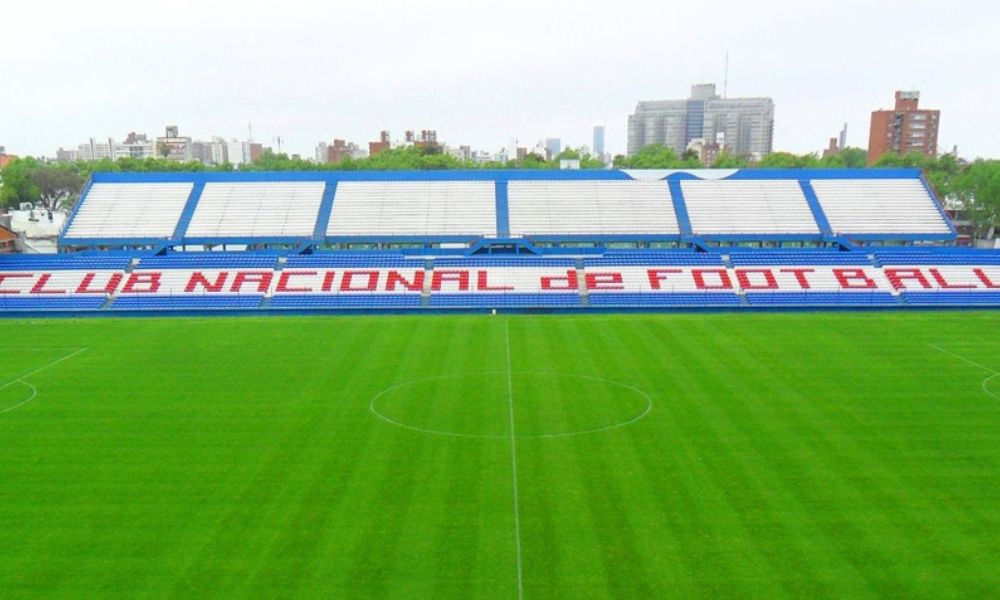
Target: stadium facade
point(503, 240)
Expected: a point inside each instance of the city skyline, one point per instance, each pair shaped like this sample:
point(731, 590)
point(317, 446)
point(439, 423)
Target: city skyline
point(479, 81)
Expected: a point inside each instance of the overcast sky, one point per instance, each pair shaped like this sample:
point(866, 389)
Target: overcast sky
point(481, 73)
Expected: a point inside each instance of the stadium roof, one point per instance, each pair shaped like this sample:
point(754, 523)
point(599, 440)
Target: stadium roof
point(304, 209)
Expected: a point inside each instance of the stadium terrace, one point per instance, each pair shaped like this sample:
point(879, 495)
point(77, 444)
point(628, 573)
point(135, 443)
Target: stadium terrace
point(507, 240)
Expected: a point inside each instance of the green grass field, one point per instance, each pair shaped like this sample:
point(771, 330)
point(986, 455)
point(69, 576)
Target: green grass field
point(765, 455)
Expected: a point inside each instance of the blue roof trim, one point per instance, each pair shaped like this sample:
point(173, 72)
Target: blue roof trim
point(325, 210)
point(680, 206)
point(502, 209)
point(817, 210)
point(189, 207)
point(807, 174)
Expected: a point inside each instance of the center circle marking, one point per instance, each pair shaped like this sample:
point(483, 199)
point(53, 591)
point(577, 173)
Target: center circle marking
point(645, 409)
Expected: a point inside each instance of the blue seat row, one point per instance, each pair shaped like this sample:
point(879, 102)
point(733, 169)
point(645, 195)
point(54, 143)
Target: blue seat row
point(223, 302)
point(655, 258)
point(822, 299)
point(62, 262)
point(508, 261)
point(374, 261)
point(952, 298)
point(504, 300)
point(346, 301)
point(938, 257)
point(798, 257)
point(27, 303)
point(206, 260)
point(659, 299)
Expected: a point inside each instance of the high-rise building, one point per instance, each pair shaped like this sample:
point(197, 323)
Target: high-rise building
point(5, 159)
point(747, 123)
point(599, 141)
point(832, 149)
point(319, 155)
point(174, 147)
point(383, 144)
point(904, 129)
point(135, 146)
point(553, 146)
point(339, 150)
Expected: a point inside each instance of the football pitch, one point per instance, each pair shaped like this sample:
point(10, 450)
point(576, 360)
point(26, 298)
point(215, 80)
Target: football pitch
point(834, 455)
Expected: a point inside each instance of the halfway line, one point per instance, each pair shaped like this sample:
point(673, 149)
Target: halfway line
point(513, 462)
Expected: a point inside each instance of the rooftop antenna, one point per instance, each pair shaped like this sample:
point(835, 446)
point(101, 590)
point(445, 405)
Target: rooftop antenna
point(725, 79)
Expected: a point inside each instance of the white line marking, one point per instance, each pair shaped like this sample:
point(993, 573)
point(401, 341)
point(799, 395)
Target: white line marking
point(372, 408)
point(513, 461)
point(985, 382)
point(962, 358)
point(34, 390)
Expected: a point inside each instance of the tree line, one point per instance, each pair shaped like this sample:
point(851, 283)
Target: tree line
point(974, 185)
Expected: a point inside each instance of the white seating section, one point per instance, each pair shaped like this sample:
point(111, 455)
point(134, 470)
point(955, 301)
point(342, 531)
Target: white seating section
point(733, 207)
point(879, 206)
point(414, 208)
point(590, 207)
point(265, 209)
point(130, 210)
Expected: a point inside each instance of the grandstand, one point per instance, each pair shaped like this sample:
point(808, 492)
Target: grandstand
point(509, 240)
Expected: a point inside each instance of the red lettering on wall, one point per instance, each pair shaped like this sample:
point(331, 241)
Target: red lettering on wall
point(261, 278)
point(446, 276)
point(198, 279)
point(328, 281)
point(656, 276)
point(941, 281)
point(743, 277)
point(13, 276)
point(854, 279)
point(109, 287)
point(142, 282)
point(604, 281)
point(483, 284)
point(348, 277)
point(286, 276)
point(986, 280)
point(569, 282)
point(897, 277)
point(39, 287)
point(725, 283)
point(800, 276)
point(395, 278)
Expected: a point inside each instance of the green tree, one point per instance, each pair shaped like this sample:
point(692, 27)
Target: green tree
point(58, 186)
point(847, 158)
point(787, 160)
point(725, 160)
point(977, 188)
point(586, 160)
point(654, 156)
point(18, 186)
